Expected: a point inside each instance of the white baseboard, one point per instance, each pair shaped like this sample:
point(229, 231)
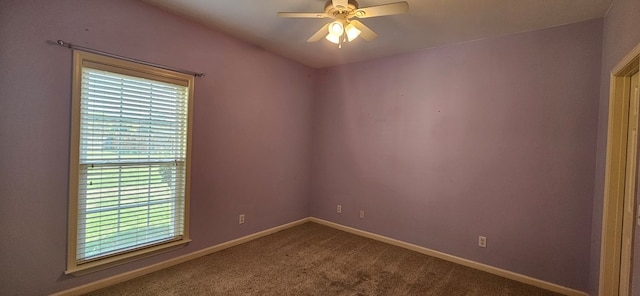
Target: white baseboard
point(184, 258)
point(475, 265)
point(165, 264)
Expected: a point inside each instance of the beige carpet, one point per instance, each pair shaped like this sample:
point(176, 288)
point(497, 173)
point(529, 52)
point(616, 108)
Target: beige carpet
point(313, 259)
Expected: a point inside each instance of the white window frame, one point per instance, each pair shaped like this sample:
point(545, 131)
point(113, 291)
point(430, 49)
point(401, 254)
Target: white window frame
point(100, 62)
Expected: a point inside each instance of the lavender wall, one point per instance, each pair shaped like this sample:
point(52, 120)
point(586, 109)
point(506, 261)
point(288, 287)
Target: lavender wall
point(251, 131)
point(620, 36)
point(494, 137)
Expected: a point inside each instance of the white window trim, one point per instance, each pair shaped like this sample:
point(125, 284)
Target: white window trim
point(81, 58)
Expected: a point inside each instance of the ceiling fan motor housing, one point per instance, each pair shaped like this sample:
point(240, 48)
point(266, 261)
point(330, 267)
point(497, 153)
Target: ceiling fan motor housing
point(340, 12)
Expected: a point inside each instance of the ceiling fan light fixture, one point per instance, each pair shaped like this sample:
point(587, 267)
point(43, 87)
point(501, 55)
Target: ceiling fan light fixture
point(352, 32)
point(333, 38)
point(336, 28)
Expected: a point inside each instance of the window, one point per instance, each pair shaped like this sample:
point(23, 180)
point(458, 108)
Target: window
point(129, 171)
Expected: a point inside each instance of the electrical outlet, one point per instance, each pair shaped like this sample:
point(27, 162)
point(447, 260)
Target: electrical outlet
point(361, 214)
point(241, 219)
point(339, 209)
point(482, 241)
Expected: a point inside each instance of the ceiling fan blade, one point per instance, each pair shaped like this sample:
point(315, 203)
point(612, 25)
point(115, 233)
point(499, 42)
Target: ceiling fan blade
point(320, 34)
point(365, 32)
point(303, 14)
point(385, 9)
point(340, 4)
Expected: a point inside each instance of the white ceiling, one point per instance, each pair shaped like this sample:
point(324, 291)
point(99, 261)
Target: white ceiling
point(429, 23)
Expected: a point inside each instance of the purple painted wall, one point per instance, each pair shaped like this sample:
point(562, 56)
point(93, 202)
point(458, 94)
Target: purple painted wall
point(494, 137)
point(251, 134)
point(620, 36)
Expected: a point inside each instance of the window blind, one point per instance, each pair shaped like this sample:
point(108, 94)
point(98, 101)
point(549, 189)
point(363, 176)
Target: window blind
point(132, 174)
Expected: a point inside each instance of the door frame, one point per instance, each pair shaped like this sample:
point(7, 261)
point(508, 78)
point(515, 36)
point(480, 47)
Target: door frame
point(612, 280)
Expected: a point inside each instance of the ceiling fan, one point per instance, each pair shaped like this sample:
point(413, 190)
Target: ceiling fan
point(343, 28)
